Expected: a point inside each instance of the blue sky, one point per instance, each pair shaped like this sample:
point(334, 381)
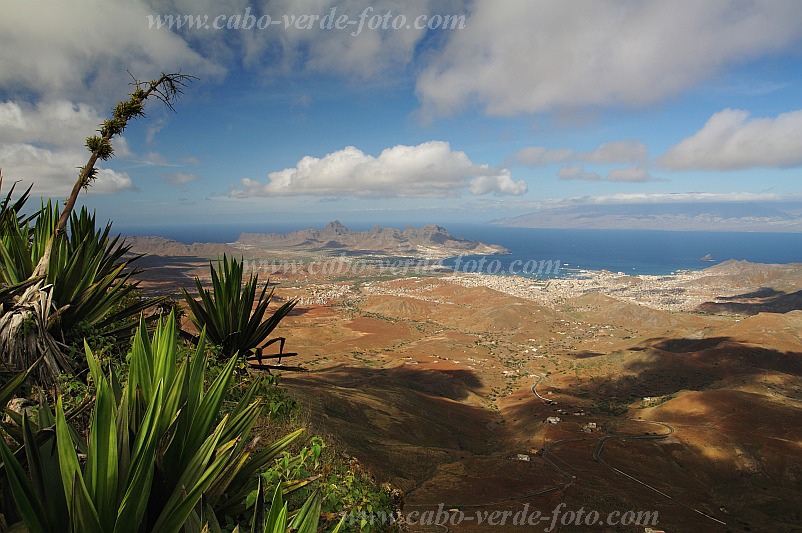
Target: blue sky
point(530, 104)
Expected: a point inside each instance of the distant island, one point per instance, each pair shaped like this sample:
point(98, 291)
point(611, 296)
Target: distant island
point(676, 216)
point(428, 242)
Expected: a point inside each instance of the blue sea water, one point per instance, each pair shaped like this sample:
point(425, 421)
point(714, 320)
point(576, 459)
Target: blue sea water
point(628, 251)
point(633, 251)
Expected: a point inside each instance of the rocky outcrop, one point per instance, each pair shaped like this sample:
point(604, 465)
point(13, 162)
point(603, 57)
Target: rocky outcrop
point(430, 241)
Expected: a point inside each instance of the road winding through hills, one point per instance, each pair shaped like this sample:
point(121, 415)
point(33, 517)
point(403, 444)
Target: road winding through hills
point(621, 436)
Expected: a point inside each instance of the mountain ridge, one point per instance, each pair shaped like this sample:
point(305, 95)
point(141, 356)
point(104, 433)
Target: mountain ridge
point(429, 241)
point(677, 216)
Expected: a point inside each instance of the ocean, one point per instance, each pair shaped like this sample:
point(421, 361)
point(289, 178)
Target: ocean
point(628, 251)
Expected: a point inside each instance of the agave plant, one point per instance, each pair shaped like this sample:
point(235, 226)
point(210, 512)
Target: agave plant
point(88, 270)
point(277, 520)
point(86, 283)
point(158, 457)
point(227, 311)
point(24, 326)
point(10, 222)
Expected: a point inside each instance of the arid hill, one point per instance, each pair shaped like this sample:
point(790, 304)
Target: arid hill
point(430, 241)
point(691, 411)
point(430, 384)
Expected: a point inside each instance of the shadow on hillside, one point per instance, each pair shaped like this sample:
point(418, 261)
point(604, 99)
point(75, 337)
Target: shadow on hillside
point(167, 274)
point(584, 354)
point(400, 421)
point(456, 384)
point(764, 300)
point(685, 345)
point(668, 365)
point(298, 310)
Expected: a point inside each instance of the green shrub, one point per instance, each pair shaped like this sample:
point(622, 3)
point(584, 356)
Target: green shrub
point(158, 456)
point(227, 312)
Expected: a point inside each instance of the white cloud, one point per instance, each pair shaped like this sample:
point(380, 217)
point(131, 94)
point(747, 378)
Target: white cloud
point(577, 172)
point(53, 172)
point(632, 174)
point(80, 50)
point(154, 128)
point(181, 178)
point(43, 144)
point(520, 56)
point(680, 197)
point(730, 140)
point(50, 122)
point(536, 156)
point(430, 169)
point(361, 54)
point(157, 159)
point(606, 153)
point(616, 152)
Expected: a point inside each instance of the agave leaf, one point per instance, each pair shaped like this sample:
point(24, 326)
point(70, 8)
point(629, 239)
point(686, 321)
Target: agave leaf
point(306, 520)
point(10, 389)
point(210, 520)
point(227, 310)
point(140, 373)
point(227, 475)
point(68, 460)
point(42, 455)
point(102, 456)
point(140, 472)
point(83, 514)
point(123, 444)
point(263, 457)
point(29, 506)
point(258, 521)
point(208, 410)
point(194, 481)
point(276, 520)
point(241, 485)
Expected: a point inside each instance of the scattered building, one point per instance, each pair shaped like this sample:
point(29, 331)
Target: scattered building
point(553, 419)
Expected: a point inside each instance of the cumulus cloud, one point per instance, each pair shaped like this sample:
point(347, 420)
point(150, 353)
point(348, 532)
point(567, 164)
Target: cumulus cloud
point(605, 153)
point(526, 57)
point(730, 140)
point(536, 156)
point(430, 169)
point(738, 196)
point(57, 55)
point(42, 49)
point(632, 174)
point(53, 171)
point(181, 178)
point(42, 144)
point(616, 152)
point(608, 153)
point(359, 54)
point(577, 173)
point(50, 121)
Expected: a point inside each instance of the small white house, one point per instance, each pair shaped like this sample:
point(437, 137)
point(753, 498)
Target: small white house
point(553, 419)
